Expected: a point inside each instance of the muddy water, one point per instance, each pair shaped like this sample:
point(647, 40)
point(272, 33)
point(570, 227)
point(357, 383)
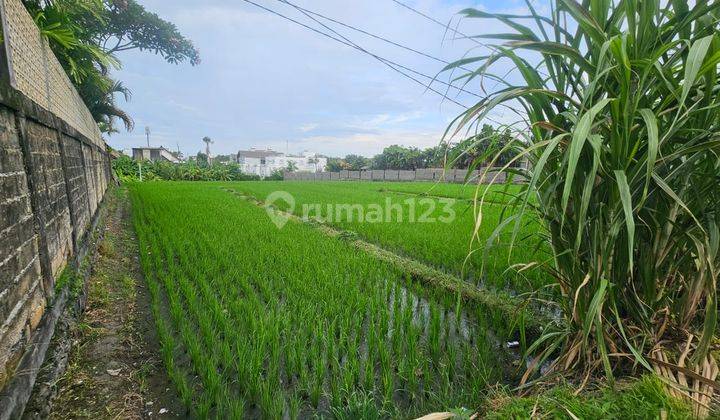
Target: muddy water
point(455, 326)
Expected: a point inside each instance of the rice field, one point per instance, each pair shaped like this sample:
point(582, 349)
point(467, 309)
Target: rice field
point(256, 321)
point(443, 245)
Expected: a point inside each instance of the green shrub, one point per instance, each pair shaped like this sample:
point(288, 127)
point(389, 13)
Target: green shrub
point(644, 399)
point(128, 170)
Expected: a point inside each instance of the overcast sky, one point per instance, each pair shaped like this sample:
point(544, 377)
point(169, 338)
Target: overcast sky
point(266, 82)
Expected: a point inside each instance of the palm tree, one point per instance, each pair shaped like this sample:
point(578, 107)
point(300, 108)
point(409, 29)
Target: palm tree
point(99, 92)
point(208, 141)
point(314, 161)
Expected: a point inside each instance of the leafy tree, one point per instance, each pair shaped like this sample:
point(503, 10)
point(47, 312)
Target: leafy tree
point(291, 166)
point(102, 105)
point(479, 149)
point(224, 158)
point(336, 165)
point(356, 162)
point(129, 26)
point(276, 175)
point(398, 157)
point(201, 159)
point(85, 35)
point(472, 152)
point(432, 157)
point(314, 161)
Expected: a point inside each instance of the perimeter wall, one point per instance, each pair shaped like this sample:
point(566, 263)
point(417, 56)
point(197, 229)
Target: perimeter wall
point(54, 171)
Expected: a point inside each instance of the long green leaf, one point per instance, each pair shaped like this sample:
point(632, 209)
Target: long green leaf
point(694, 62)
point(626, 199)
point(652, 147)
point(580, 135)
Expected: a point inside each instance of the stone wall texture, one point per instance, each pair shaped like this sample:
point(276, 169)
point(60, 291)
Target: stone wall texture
point(428, 174)
point(52, 180)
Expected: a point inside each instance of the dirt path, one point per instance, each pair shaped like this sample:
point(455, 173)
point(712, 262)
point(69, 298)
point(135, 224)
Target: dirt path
point(114, 370)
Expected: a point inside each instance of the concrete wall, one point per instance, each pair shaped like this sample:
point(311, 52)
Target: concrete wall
point(377, 174)
point(428, 174)
point(406, 175)
point(391, 175)
point(54, 170)
point(52, 180)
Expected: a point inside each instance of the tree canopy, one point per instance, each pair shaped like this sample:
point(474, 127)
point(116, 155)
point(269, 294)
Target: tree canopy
point(472, 151)
point(86, 35)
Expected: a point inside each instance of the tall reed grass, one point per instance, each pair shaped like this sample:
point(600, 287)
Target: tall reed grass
point(618, 105)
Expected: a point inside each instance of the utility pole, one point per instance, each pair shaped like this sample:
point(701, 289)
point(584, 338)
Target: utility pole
point(147, 135)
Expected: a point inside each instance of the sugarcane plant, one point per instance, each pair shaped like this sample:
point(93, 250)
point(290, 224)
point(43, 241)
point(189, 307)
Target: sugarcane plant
point(618, 122)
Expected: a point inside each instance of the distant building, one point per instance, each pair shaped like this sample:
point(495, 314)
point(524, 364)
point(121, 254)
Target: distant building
point(154, 154)
point(265, 162)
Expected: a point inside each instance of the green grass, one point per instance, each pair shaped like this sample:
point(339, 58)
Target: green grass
point(443, 245)
point(256, 321)
point(643, 399)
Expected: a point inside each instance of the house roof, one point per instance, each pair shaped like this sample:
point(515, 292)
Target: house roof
point(257, 153)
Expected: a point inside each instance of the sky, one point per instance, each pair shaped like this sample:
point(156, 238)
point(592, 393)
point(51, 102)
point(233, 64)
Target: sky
point(265, 82)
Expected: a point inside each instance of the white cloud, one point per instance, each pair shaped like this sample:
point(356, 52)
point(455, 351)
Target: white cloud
point(265, 81)
point(360, 143)
point(307, 127)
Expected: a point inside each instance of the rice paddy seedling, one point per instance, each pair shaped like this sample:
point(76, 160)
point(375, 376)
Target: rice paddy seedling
point(388, 383)
point(444, 245)
point(359, 405)
point(285, 322)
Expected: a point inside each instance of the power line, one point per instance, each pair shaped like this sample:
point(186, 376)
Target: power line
point(307, 13)
point(362, 31)
point(388, 63)
point(432, 19)
point(457, 32)
point(381, 59)
point(391, 64)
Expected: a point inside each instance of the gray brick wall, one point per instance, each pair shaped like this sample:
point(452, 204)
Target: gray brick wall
point(52, 208)
point(90, 177)
point(77, 185)
point(51, 183)
point(21, 296)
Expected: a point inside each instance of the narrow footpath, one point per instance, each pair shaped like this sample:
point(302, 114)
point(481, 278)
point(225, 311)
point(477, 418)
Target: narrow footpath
point(114, 370)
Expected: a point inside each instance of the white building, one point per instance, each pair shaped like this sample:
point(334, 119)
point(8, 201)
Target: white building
point(265, 162)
